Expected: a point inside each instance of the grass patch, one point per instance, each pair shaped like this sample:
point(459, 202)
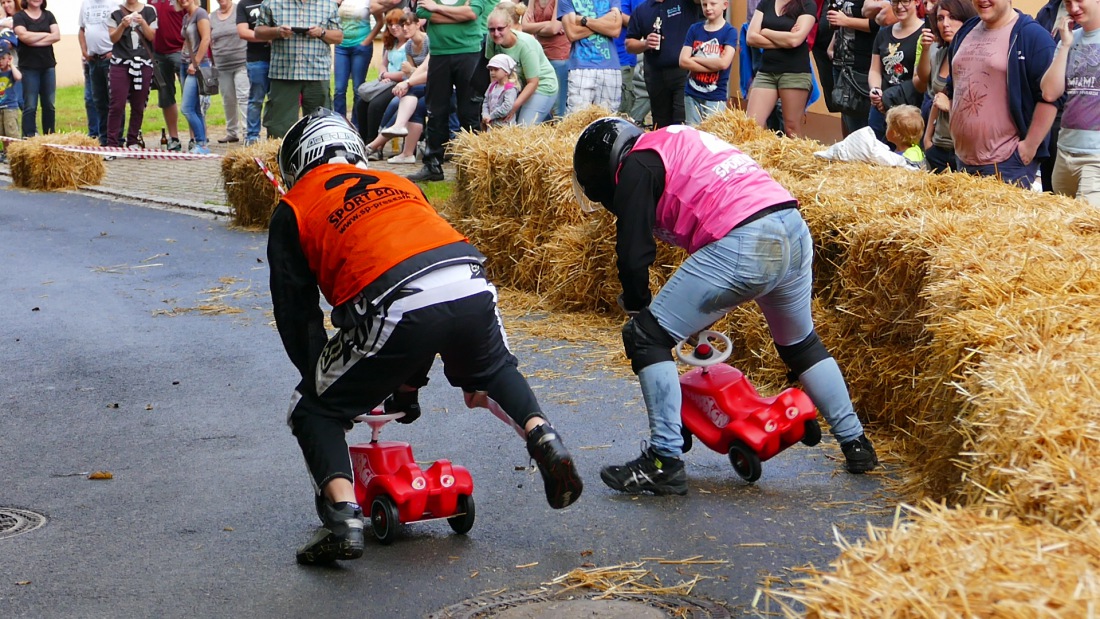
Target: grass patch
point(437, 192)
point(72, 117)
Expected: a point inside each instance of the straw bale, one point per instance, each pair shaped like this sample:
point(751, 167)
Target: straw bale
point(573, 124)
point(37, 166)
point(250, 194)
point(941, 562)
point(735, 127)
point(1034, 433)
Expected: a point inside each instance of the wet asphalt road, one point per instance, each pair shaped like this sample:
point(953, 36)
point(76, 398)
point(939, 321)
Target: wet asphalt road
point(109, 363)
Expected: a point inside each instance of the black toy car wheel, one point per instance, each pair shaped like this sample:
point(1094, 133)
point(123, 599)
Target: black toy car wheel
point(464, 521)
point(686, 434)
point(384, 519)
point(745, 461)
point(812, 434)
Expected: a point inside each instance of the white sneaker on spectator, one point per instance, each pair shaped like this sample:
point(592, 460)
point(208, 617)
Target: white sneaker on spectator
point(402, 159)
point(394, 132)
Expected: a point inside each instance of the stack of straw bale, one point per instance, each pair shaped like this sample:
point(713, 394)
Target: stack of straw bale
point(964, 313)
point(250, 194)
point(967, 562)
point(37, 166)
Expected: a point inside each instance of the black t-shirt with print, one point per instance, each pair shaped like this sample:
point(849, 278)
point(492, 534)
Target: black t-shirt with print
point(898, 56)
point(129, 45)
point(854, 46)
point(248, 12)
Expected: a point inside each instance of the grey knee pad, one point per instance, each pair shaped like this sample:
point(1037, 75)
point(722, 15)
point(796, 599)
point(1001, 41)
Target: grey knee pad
point(646, 342)
point(803, 355)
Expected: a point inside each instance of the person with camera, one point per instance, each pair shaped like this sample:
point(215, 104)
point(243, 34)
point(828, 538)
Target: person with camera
point(850, 50)
point(302, 33)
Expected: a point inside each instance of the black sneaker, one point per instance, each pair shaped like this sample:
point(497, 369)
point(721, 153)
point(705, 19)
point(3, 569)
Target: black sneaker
point(341, 536)
point(175, 145)
point(403, 402)
point(430, 172)
point(648, 473)
point(859, 455)
point(559, 476)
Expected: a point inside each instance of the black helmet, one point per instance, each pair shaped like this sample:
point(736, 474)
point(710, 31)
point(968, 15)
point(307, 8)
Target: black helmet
point(322, 136)
point(600, 149)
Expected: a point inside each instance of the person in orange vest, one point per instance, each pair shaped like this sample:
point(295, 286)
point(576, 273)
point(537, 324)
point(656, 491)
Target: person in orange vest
point(404, 286)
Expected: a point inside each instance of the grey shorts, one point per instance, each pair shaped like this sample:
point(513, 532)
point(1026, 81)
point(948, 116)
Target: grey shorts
point(783, 81)
point(169, 66)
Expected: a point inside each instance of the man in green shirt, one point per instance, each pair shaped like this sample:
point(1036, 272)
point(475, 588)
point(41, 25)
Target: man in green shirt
point(456, 30)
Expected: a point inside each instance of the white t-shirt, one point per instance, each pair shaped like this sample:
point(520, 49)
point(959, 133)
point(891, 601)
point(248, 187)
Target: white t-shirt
point(94, 18)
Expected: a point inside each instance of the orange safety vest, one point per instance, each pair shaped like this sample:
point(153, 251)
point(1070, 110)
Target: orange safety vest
point(355, 224)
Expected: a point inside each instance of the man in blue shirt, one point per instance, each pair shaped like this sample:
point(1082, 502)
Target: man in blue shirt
point(594, 72)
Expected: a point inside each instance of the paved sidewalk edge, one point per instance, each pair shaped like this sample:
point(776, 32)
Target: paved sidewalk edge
point(100, 190)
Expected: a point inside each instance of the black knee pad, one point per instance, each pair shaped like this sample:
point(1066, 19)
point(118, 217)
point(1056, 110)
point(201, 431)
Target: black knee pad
point(646, 342)
point(803, 355)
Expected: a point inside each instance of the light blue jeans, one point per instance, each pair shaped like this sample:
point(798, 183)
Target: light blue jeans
point(697, 110)
point(260, 84)
point(561, 69)
point(349, 63)
point(192, 106)
point(768, 261)
point(536, 109)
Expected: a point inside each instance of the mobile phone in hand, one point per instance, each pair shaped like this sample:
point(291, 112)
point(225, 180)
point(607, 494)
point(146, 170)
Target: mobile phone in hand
point(299, 29)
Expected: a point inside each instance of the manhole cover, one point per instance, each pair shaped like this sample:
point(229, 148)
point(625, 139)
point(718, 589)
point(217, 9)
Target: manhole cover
point(15, 521)
point(575, 605)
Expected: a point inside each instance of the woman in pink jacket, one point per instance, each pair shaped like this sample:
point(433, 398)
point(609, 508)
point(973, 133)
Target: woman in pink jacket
point(747, 242)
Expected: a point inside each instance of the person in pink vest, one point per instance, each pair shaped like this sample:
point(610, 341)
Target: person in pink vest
point(748, 242)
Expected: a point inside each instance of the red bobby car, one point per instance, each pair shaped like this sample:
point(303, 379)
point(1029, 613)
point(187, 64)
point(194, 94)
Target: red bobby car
point(397, 491)
point(721, 408)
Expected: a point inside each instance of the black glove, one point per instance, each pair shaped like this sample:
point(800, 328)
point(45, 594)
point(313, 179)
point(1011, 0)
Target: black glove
point(403, 402)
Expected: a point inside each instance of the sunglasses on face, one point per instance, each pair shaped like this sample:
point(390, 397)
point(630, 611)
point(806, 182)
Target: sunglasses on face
point(500, 29)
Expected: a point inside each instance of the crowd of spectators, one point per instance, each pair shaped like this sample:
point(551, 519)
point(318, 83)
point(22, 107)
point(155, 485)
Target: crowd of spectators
point(991, 82)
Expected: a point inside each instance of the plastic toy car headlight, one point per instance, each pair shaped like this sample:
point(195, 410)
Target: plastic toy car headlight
point(447, 481)
point(419, 483)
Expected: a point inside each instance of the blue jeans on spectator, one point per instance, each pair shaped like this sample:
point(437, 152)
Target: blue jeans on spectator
point(876, 120)
point(39, 85)
point(349, 62)
point(98, 72)
point(260, 84)
point(561, 69)
point(536, 109)
point(1012, 170)
point(89, 104)
point(940, 159)
point(192, 105)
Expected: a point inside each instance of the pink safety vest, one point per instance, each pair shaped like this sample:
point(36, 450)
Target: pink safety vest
point(710, 186)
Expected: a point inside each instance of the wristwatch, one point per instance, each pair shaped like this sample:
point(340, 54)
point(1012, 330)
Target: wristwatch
point(584, 21)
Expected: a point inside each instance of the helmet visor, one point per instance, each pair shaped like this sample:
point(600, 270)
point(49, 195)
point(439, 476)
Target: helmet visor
point(587, 206)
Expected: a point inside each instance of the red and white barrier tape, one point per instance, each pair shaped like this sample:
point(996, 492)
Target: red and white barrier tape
point(120, 152)
point(270, 176)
